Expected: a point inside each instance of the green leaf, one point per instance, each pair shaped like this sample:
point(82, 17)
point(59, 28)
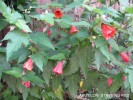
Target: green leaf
point(59, 56)
point(56, 82)
point(72, 84)
point(22, 25)
point(47, 71)
point(3, 64)
point(129, 9)
point(115, 61)
point(105, 52)
point(13, 17)
point(82, 34)
point(98, 61)
point(16, 71)
point(87, 7)
point(17, 38)
point(59, 92)
point(49, 18)
point(117, 83)
point(72, 66)
point(99, 42)
point(11, 81)
point(30, 76)
point(3, 24)
point(2, 49)
point(113, 44)
point(130, 76)
point(21, 54)
point(1, 70)
point(81, 23)
point(25, 92)
point(40, 38)
point(85, 55)
point(76, 3)
point(110, 11)
point(65, 21)
point(131, 38)
point(34, 92)
point(39, 59)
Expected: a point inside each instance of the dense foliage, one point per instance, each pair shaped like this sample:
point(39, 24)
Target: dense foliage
point(60, 49)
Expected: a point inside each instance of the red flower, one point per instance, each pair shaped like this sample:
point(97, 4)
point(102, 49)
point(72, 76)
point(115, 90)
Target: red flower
point(110, 81)
point(58, 68)
point(108, 31)
point(28, 65)
point(58, 13)
point(26, 84)
point(73, 30)
point(124, 78)
point(49, 33)
point(125, 57)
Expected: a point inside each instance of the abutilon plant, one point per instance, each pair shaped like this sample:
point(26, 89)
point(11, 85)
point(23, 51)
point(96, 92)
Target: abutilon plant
point(86, 43)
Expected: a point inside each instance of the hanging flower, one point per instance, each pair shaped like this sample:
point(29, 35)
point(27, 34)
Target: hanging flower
point(28, 65)
point(110, 81)
point(58, 13)
point(58, 68)
point(125, 56)
point(108, 31)
point(73, 30)
point(49, 33)
point(26, 84)
point(124, 78)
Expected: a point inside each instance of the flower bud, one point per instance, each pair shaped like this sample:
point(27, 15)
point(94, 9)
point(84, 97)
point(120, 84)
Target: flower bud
point(110, 81)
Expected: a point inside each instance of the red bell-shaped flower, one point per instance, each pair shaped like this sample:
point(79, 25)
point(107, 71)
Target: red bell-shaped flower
point(108, 31)
point(125, 56)
point(26, 84)
point(49, 33)
point(58, 13)
point(28, 65)
point(73, 30)
point(110, 81)
point(58, 68)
